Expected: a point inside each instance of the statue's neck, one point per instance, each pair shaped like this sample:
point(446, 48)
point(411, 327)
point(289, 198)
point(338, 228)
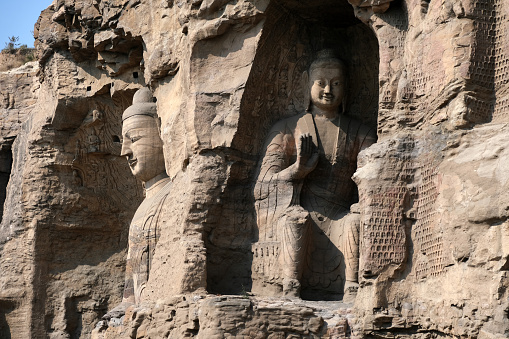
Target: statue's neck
point(320, 113)
point(153, 185)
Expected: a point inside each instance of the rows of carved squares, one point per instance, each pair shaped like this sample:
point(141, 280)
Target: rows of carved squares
point(382, 224)
point(487, 7)
point(398, 253)
point(425, 243)
point(266, 251)
point(427, 195)
point(494, 33)
point(385, 261)
point(432, 244)
point(488, 26)
point(390, 240)
point(425, 271)
point(424, 227)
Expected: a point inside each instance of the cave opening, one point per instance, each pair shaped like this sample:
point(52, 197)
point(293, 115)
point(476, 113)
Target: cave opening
point(293, 33)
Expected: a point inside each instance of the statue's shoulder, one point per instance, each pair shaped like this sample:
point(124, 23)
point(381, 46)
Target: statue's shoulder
point(167, 187)
point(288, 125)
point(283, 131)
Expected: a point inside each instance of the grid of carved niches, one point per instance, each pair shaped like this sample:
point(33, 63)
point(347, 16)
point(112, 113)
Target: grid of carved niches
point(490, 62)
point(501, 111)
point(427, 236)
point(392, 39)
point(384, 230)
point(426, 77)
point(479, 108)
point(485, 24)
point(419, 78)
point(266, 260)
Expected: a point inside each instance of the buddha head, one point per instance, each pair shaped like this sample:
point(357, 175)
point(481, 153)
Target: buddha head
point(142, 144)
point(326, 83)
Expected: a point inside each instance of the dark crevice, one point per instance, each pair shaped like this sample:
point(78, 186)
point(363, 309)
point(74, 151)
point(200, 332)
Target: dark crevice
point(505, 267)
point(5, 172)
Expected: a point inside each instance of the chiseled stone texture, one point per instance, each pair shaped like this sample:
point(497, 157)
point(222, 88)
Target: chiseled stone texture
point(19, 91)
point(233, 317)
point(453, 279)
point(431, 76)
point(432, 190)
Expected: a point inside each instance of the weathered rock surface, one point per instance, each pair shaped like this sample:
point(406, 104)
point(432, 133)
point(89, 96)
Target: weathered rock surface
point(19, 90)
point(233, 316)
point(430, 76)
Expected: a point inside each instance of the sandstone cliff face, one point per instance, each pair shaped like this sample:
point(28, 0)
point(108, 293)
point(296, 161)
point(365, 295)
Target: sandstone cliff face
point(442, 92)
point(19, 89)
point(429, 75)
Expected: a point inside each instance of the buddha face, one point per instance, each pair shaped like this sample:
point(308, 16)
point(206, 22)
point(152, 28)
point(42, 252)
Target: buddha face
point(327, 86)
point(142, 147)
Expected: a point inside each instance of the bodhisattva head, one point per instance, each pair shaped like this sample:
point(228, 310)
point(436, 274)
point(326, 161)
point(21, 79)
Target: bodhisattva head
point(327, 84)
point(142, 144)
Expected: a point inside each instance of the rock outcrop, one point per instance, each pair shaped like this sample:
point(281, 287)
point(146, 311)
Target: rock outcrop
point(431, 201)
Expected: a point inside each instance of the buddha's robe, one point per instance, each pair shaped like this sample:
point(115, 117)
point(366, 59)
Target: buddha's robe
point(144, 233)
point(325, 194)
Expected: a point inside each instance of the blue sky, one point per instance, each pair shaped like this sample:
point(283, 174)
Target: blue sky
point(18, 17)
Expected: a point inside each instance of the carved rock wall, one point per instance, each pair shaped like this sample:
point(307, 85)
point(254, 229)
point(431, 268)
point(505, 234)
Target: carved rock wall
point(432, 191)
point(69, 202)
point(428, 212)
point(19, 89)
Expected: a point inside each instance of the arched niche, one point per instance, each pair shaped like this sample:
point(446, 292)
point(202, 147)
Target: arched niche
point(294, 31)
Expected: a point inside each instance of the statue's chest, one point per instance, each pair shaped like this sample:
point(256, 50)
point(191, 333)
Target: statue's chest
point(141, 226)
point(336, 146)
point(328, 134)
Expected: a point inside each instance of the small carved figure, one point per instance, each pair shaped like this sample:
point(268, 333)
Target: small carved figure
point(282, 91)
point(97, 115)
point(76, 178)
point(77, 151)
point(283, 74)
point(143, 148)
point(258, 106)
point(304, 189)
point(270, 99)
point(93, 143)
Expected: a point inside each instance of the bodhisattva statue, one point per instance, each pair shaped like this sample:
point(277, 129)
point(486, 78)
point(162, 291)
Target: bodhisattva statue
point(304, 190)
point(143, 148)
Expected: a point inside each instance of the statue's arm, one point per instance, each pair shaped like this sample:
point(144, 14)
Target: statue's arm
point(277, 163)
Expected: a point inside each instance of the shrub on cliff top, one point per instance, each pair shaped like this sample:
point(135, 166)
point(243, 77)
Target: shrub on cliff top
point(13, 55)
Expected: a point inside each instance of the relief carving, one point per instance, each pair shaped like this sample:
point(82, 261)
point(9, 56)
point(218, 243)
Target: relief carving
point(308, 230)
point(143, 148)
